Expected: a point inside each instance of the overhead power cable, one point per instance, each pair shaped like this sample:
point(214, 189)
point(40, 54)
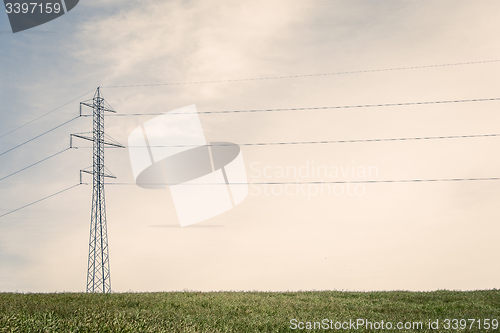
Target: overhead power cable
point(337, 141)
point(50, 196)
point(43, 115)
point(326, 182)
point(309, 108)
point(36, 137)
point(305, 75)
point(12, 174)
point(279, 183)
point(324, 141)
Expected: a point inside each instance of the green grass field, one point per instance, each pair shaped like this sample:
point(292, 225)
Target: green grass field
point(249, 311)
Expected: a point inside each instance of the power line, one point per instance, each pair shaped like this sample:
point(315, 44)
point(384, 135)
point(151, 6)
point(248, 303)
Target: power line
point(306, 75)
point(312, 108)
point(12, 174)
point(29, 122)
point(280, 183)
point(331, 141)
point(15, 210)
point(327, 182)
point(36, 137)
point(325, 141)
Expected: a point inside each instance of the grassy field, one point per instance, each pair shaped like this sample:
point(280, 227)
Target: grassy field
point(248, 311)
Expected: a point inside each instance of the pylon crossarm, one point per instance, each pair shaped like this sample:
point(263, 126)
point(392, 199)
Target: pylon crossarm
point(102, 108)
point(82, 137)
point(105, 175)
point(108, 140)
point(107, 143)
point(113, 144)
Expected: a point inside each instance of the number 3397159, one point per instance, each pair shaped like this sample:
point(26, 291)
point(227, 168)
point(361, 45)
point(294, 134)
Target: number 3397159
point(33, 8)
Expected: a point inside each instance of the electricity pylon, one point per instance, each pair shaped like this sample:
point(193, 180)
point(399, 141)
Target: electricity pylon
point(98, 274)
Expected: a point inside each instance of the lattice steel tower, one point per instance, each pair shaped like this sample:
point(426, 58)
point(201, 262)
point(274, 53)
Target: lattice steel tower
point(98, 273)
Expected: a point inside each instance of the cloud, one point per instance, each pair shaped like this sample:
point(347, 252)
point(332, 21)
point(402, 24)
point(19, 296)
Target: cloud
point(180, 40)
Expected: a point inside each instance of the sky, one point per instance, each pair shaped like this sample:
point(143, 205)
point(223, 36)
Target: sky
point(382, 236)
